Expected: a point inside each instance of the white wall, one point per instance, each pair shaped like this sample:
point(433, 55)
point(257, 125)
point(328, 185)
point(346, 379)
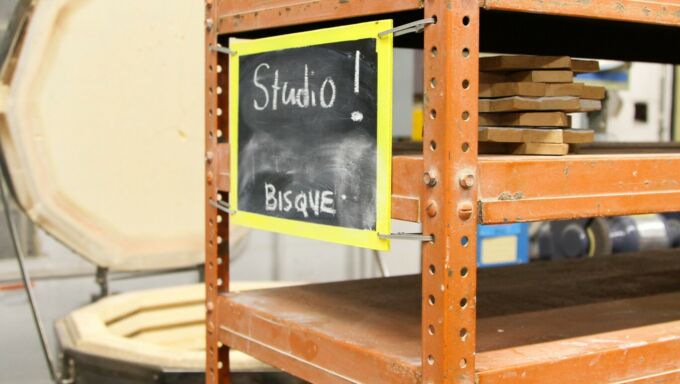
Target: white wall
point(649, 83)
point(269, 256)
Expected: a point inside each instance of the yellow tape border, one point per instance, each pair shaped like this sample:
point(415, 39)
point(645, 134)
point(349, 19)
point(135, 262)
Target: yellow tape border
point(340, 235)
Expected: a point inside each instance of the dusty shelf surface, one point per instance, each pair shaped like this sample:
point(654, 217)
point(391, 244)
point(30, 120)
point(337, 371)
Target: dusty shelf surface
point(561, 318)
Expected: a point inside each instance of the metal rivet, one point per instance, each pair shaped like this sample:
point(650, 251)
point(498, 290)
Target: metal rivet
point(210, 177)
point(430, 178)
point(210, 305)
point(465, 210)
point(467, 181)
point(209, 24)
point(209, 156)
point(432, 208)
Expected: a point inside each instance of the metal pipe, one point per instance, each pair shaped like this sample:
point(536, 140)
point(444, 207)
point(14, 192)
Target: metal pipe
point(54, 373)
point(381, 264)
point(113, 276)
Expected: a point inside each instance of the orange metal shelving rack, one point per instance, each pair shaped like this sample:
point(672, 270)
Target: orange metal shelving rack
point(309, 331)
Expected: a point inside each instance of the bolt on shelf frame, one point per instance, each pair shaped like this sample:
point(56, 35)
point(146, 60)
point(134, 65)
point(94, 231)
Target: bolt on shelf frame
point(461, 189)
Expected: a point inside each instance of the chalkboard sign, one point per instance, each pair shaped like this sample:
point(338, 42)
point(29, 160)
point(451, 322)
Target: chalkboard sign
point(310, 133)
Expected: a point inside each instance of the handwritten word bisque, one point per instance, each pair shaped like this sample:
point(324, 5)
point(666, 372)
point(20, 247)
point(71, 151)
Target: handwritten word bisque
point(307, 203)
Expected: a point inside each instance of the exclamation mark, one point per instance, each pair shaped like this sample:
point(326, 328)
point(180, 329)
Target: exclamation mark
point(356, 115)
point(357, 57)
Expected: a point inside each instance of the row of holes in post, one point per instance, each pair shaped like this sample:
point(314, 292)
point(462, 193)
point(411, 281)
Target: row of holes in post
point(212, 110)
point(464, 241)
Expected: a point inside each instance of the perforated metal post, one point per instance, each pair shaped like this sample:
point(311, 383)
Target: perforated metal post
point(217, 223)
point(450, 157)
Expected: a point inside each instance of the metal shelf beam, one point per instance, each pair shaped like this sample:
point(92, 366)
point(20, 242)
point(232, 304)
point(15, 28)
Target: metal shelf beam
point(664, 12)
point(534, 188)
point(249, 15)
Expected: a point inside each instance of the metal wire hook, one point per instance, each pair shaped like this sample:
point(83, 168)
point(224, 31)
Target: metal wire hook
point(221, 49)
point(222, 206)
point(406, 236)
point(412, 27)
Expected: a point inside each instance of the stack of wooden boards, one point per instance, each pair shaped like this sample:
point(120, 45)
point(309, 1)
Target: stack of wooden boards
point(525, 101)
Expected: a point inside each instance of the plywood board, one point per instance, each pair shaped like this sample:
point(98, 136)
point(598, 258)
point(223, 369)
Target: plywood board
point(389, 310)
point(529, 89)
point(528, 62)
point(542, 76)
point(541, 149)
point(493, 77)
point(523, 62)
point(520, 135)
point(588, 105)
point(550, 149)
point(514, 89)
point(593, 92)
point(564, 89)
point(525, 119)
point(584, 66)
point(578, 136)
point(520, 103)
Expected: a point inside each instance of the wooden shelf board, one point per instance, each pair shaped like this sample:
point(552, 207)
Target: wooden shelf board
point(369, 330)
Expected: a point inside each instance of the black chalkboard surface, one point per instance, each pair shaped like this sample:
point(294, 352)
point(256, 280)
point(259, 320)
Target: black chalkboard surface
point(306, 134)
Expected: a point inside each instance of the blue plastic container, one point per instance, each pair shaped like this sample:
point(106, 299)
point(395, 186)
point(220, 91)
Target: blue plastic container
point(503, 244)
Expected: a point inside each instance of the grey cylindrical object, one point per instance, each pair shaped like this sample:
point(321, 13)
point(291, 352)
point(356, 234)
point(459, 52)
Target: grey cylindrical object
point(639, 233)
point(652, 232)
point(673, 228)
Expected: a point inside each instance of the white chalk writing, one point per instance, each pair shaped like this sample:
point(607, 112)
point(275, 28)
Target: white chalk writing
point(307, 203)
point(303, 97)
